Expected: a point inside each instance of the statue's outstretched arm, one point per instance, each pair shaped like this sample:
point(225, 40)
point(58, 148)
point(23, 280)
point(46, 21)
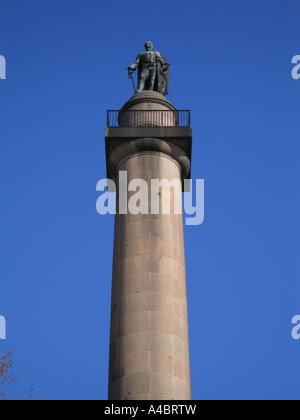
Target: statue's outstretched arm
point(135, 65)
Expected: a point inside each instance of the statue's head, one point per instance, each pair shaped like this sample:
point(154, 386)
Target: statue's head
point(149, 46)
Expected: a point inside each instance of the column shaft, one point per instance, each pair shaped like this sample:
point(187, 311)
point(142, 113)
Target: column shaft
point(149, 343)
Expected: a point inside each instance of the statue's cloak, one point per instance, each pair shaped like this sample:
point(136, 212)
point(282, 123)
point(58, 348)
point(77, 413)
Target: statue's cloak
point(162, 76)
point(161, 84)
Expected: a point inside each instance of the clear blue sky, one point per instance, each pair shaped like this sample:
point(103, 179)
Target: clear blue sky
point(231, 65)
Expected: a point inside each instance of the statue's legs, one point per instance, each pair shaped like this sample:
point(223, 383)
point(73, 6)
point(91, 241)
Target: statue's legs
point(152, 71)
point(141, 85)
point(144, 76)
point(147, 73)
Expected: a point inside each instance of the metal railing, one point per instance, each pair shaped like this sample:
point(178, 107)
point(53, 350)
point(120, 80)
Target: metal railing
point(148, 118)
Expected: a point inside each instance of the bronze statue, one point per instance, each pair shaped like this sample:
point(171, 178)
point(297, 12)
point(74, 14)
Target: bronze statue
point(153, 70)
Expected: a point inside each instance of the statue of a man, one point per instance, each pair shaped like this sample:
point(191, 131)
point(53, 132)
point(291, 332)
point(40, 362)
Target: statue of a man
point(153, 70)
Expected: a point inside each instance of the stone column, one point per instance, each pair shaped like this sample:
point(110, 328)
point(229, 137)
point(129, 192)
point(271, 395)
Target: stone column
point(149, 343)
